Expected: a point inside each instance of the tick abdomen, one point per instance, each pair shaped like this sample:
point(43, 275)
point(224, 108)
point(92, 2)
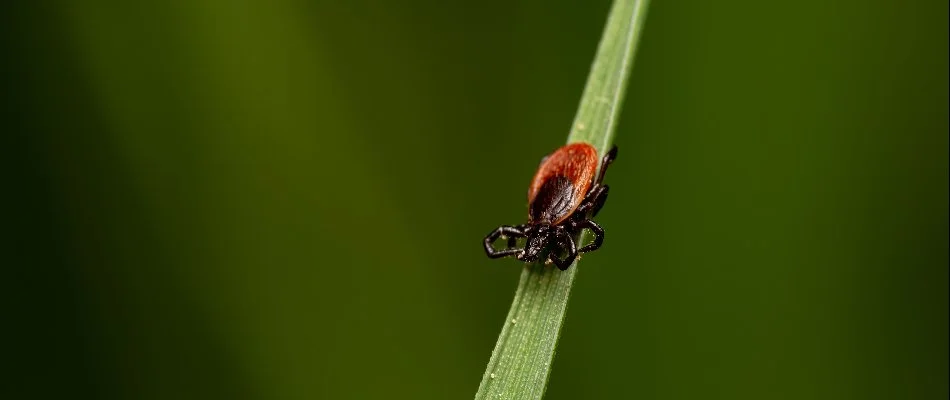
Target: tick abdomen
point(561, 183)
point(553, 202)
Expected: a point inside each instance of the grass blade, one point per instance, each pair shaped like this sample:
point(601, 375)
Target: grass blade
point(521, 362)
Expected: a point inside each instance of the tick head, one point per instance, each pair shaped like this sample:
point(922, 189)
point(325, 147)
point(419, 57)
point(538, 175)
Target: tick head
point(538, 238)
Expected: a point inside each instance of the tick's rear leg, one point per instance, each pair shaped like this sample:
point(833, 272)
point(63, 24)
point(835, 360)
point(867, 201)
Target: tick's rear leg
point(594, 201)
point(565, 239)
point(605, 162)
point(597, 195)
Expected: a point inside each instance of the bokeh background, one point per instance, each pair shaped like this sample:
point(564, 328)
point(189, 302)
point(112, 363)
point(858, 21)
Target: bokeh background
point(285, 199)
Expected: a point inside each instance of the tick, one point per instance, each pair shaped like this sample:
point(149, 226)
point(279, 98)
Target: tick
point(566, 192)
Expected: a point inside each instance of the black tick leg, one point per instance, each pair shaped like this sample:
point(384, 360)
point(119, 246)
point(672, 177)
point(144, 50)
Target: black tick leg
point(594, 201)
point(504, 230)
point(513, 240)
point(597, 194)
point(596, 229)
point(605, 162)
point(565, 239)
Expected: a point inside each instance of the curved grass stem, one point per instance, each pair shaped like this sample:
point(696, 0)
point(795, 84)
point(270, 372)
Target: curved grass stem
point(521, 362)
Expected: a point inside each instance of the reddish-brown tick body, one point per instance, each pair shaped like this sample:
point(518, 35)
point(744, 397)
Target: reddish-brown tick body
point(561, 183)
point(566, 192)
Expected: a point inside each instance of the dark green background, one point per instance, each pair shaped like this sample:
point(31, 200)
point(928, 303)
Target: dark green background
point(285, 199)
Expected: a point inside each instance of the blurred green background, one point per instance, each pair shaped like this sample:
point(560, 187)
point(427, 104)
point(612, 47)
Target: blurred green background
point(285, 199)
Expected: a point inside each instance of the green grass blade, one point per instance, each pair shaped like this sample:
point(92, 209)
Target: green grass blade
point(521, 362)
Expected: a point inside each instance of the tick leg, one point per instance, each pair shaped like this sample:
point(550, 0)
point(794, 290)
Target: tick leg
point(513, 240)
point(599, 199)
point(597, 194)
point(567, 241)
point(605, 162)
point(593, 202)
point(511, 232)
point(598, 235)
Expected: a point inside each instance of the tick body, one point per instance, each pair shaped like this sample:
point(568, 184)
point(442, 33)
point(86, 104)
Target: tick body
point(566, 192)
